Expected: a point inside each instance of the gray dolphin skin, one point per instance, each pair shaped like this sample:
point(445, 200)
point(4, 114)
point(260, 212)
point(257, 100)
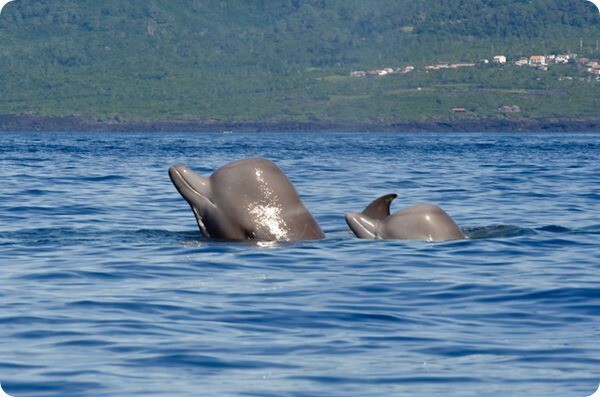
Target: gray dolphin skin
point(419, 222)
point(250, 199)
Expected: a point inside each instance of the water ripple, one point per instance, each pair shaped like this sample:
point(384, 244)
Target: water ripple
point(108, 288)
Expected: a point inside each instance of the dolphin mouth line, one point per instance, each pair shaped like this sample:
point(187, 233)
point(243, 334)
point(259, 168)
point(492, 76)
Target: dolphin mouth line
point(182, 179)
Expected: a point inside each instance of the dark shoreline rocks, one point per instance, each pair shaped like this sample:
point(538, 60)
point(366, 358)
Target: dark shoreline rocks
point(28, 123)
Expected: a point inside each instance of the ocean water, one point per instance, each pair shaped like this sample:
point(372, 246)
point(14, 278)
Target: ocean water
point(107, 288)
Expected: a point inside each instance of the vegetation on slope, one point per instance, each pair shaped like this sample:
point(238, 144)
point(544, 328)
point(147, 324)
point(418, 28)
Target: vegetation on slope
point(287, 60)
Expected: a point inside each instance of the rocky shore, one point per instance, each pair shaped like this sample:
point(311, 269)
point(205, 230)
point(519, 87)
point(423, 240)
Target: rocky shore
point(24, 123)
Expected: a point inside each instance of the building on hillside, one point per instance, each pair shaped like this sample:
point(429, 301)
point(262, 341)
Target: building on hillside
point(463, 65)
point(358, 73)
point(522, 62)
point(562, 58)
point(499, 59)
point(509, 109)
point(537, 60)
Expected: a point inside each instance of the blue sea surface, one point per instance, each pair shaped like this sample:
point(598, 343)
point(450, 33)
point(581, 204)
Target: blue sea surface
point(107, 288)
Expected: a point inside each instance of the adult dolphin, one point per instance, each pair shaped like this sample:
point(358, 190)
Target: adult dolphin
point(249, 199)
point(419, 222)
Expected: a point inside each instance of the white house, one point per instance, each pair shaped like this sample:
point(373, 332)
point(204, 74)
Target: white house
point(537, 60)
point(463, 65)
point(499, 59)
point(522, 62)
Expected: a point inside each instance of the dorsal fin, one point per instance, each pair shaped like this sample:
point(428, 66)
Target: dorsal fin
point(380, 208)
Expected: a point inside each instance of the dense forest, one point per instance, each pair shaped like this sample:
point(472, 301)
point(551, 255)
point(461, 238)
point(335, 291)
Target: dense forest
point(265, 60)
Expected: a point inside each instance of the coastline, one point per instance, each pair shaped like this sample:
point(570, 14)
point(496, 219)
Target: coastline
point(27, 123)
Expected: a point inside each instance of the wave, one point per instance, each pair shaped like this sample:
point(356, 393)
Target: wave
point(69, 235)
point(192, 237)
point(509, 231)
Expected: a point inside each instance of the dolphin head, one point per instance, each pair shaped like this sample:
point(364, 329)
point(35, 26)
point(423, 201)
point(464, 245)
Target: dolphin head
point(367, 223)
point(362, 225)
point(196, 190)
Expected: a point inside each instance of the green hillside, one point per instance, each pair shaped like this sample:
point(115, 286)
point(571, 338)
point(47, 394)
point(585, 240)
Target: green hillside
point(290, 60)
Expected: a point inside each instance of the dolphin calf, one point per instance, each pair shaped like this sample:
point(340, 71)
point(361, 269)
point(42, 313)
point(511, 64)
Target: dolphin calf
point(250, 199)
point(419, 222)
